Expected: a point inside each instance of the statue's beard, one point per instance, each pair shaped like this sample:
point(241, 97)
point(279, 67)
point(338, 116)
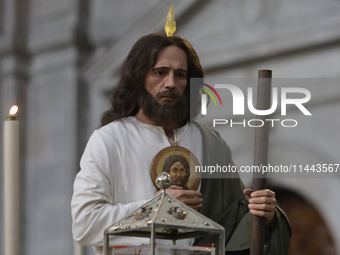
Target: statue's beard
point(170, 113)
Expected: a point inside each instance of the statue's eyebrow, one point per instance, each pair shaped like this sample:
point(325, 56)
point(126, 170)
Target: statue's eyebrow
point(167, 68)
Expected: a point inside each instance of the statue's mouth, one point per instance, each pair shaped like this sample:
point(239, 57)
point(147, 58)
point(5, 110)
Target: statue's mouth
point(178, 179)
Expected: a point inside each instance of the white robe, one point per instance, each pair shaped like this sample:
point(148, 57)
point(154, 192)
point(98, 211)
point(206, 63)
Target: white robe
point(114, 179)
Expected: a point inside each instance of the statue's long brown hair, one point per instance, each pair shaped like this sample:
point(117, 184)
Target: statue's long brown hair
point(126, 95)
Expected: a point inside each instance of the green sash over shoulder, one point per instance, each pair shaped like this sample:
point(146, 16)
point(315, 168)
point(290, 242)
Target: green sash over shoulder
point(225, 203)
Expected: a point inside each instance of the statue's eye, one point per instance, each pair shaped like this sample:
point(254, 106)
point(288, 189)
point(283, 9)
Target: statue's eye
point(160, 73)
point(181, 75)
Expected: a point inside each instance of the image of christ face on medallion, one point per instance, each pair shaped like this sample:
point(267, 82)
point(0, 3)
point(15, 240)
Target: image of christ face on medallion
point(178, 167)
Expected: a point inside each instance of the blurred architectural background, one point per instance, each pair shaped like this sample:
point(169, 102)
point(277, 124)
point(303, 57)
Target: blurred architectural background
point(59, 59)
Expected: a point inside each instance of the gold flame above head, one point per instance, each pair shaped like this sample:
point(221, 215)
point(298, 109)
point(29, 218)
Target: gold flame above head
point(13, 110)
point(170, 24)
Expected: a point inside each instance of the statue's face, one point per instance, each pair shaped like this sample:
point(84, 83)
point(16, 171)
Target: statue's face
point(178, 174)
point(169, 74)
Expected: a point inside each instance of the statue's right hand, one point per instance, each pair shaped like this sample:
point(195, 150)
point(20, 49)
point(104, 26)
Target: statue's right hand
point(191, 198)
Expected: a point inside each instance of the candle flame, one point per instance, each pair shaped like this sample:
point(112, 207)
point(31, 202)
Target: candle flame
point(13, 110)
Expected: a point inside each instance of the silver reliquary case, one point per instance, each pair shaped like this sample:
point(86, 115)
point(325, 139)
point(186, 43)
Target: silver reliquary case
point(164, 217)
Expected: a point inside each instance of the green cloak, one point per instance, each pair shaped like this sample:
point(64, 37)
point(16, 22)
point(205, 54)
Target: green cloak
point(225, 203)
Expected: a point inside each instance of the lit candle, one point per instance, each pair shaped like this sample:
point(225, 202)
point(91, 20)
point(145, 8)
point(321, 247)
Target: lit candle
point(11, 183)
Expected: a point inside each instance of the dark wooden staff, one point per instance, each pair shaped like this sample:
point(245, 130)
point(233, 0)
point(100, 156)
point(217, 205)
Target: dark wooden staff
point(260, 158)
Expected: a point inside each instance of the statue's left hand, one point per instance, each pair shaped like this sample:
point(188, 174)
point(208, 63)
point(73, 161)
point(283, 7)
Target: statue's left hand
point(262, 203)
